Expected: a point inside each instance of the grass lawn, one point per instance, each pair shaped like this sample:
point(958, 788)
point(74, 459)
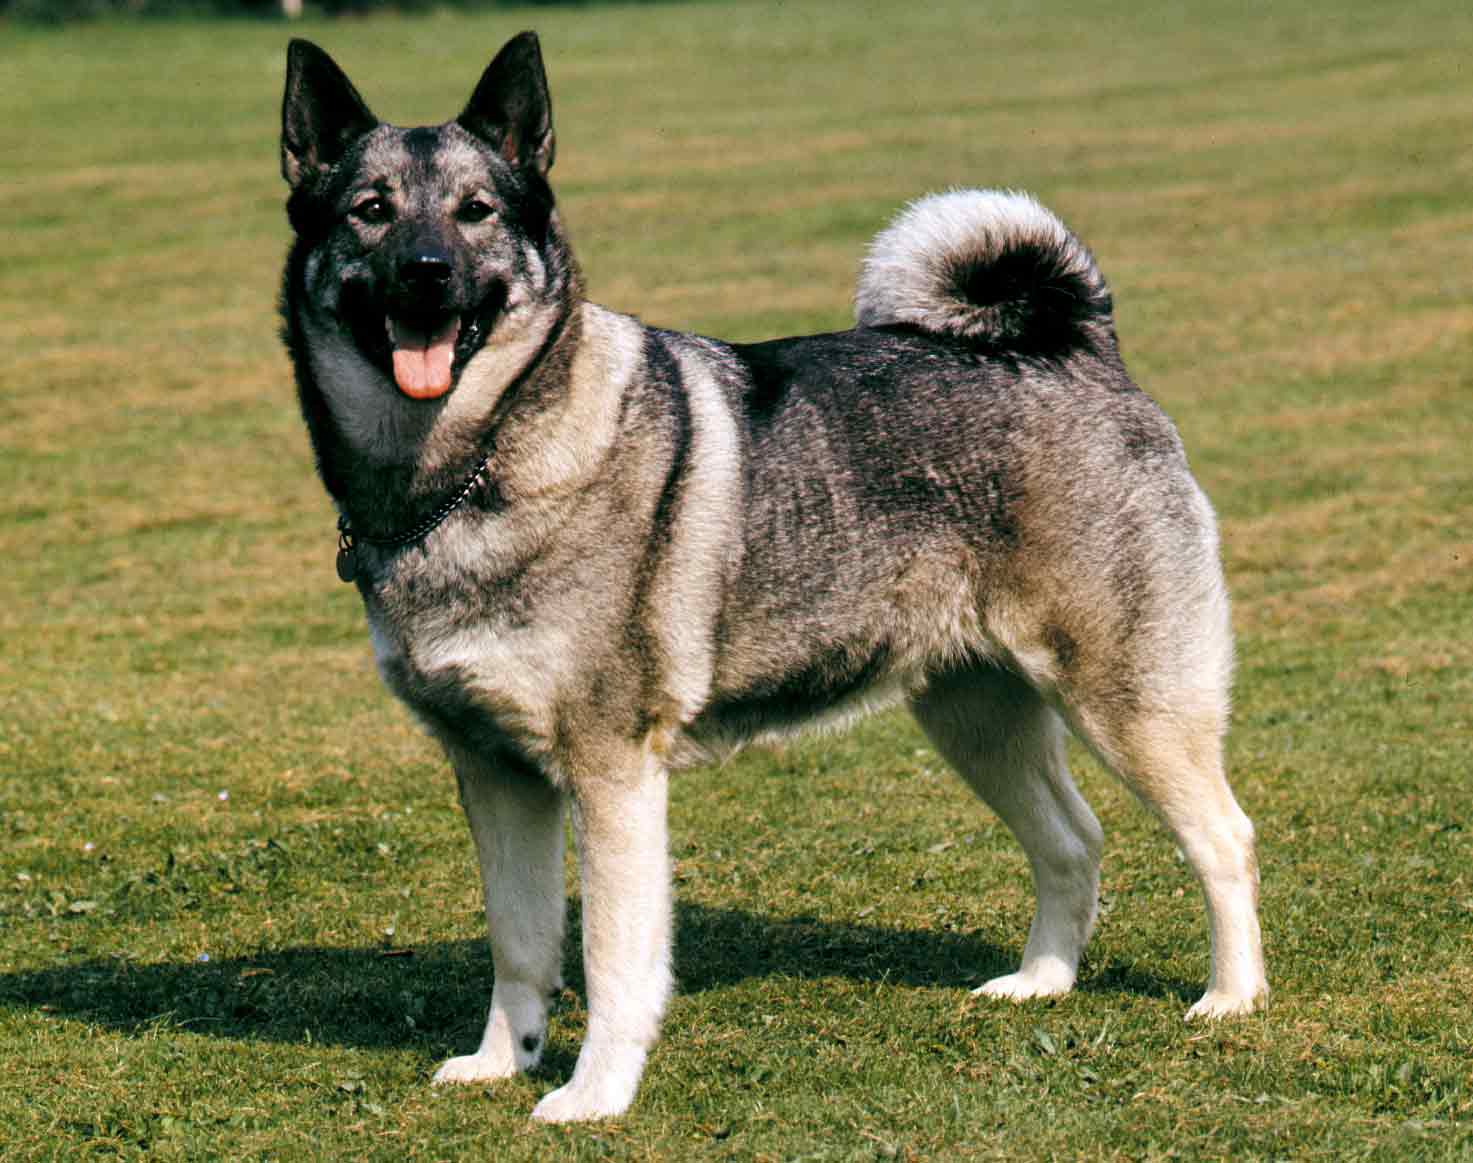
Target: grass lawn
point(239, 912)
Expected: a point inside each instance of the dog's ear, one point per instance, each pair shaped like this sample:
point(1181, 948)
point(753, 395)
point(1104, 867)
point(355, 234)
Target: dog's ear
point(321, 113)
point(511, 110)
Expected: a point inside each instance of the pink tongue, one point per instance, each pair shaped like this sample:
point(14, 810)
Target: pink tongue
point(422, 361)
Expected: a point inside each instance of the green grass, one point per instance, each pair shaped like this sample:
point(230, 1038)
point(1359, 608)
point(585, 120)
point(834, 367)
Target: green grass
point(1280, 196)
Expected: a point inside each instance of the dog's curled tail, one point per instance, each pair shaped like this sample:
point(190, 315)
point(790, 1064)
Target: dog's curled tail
point(992, 268)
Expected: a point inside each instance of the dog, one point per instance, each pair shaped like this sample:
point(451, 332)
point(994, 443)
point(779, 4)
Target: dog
point(591, 551)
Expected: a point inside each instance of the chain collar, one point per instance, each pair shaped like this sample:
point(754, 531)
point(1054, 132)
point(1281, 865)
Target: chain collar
point(348, 540)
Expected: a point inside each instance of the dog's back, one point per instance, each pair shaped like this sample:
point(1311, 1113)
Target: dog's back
point(968, 475)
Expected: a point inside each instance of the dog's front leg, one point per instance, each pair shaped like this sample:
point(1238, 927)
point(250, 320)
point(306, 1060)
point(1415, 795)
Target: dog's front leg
point(619, 823)
point(516, 821)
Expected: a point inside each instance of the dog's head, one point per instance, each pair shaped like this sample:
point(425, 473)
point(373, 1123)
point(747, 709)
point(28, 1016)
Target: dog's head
point(418, 246)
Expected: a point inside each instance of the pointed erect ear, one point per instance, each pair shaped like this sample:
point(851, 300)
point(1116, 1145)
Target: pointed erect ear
point(321, 113)
point(510, 108)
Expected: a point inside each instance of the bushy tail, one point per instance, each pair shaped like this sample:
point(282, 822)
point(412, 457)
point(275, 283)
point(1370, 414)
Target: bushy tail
point(992, 268)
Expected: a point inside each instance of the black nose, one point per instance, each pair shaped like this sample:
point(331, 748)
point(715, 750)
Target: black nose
point(426, 268)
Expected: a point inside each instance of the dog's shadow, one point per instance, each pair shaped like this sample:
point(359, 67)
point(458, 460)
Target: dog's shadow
point(433, 996)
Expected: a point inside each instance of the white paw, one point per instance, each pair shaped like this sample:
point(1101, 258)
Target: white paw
point(602, 1086)
point(475, 1068)
point(1021, 986)
point(574, 1103)
point(1216, 1004)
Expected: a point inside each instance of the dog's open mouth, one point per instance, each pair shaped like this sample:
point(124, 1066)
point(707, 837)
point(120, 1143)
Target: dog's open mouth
point(423, 352)
point(423, 356)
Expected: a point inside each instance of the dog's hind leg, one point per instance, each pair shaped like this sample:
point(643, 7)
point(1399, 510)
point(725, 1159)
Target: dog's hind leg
point(1154, 707)
point(1171, 758)
point(624, 869)
point(516, 821)
point(1009, 746)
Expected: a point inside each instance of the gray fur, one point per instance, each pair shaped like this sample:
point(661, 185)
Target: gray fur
point(964, 504)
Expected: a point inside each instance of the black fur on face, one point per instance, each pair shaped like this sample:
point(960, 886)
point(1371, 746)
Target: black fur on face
point(418, 233)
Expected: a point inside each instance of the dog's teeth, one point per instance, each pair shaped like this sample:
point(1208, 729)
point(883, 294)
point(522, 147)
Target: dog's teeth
point(389, 327)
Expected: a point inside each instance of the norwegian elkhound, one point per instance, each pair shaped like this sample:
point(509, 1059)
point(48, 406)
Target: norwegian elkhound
point(590, 550)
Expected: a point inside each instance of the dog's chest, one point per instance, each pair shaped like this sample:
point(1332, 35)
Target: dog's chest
point(475, 678)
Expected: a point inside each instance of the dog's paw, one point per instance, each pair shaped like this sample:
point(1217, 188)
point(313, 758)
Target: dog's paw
point(1021, 986)
point(502, 1052)
point(475, 1068)
point(603, 1085)
point(575, 1103)
point(1216, 1004)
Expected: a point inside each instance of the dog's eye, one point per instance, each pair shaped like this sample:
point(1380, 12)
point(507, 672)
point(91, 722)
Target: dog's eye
point(373, 211)
point(475, 210)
